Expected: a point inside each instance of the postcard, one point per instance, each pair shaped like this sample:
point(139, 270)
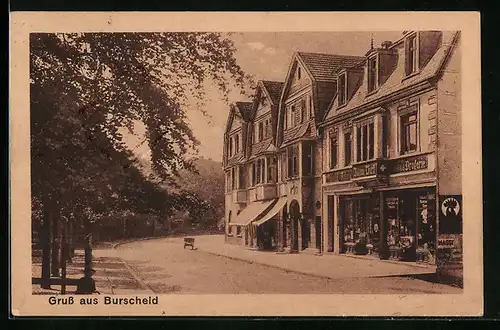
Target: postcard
point(245, 164)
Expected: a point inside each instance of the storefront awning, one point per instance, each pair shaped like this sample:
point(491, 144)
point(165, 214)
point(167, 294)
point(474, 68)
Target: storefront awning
point(250, 213)
point(275, 210)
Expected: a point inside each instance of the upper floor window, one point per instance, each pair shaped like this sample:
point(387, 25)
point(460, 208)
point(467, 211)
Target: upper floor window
point(293, 165)
point(409, 132)
point(286, 119)
point(254, 174)
point(347, 148)
point(307, 159)
point(237, 144)
point(411, 54)
point(241, 178)
point(233, 178)
point(310, 106)
point(292, 117)
point(334, 146)
point(230, 147)
point(342, 89)
point(303, 110)
point(299, 73)
point(372, 74)
point(365, 141)
point(261, 131)
point(266, 131)
point(272, 169)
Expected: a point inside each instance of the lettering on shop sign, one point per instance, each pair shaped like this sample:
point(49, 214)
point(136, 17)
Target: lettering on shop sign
point(339, 176)
point(365, 170)
point(415, 163)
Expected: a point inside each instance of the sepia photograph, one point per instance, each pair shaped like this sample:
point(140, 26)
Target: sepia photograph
point(274, 162)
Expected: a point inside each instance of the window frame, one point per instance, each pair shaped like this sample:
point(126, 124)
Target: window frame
point(415, 59)
point(342, 77)
point(365, 143)
point(347, 160)
point(333, 140)
point(375, 72)
point(261, 131)
point(412, 111)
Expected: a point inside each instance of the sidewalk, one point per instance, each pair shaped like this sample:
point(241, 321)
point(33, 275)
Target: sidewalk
point(112, 276)
point(327, 266)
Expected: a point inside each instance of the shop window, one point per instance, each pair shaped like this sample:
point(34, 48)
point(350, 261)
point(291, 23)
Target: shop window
point(333, 151)
point(409, 132)
point(365, 141)
point(372, 74)
point(342, 89)
point(426, 227)
point(347, 148)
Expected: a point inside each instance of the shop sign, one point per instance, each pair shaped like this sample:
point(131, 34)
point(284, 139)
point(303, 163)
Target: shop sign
point(364, 170)
point(409, 164)
point(450, 214)
point(339, 176)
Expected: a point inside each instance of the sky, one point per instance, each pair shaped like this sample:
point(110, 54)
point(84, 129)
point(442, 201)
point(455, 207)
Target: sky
point(266, 56)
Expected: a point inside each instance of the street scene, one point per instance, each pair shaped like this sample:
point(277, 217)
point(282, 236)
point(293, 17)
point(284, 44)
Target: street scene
point(163, 266)
point(246, 163)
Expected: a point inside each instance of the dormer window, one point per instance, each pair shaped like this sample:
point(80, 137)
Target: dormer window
point(342, 89)
point(411, 54)
point(372, 74)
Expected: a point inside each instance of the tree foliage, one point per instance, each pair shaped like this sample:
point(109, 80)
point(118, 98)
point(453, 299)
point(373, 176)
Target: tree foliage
point(86, 86)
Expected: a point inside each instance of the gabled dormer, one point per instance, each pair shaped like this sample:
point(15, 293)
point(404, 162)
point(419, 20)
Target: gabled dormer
point(348, 81)
point(262, 127)
point(380, 64)
point(309, 88)
point(419, 48)
point(236, 133)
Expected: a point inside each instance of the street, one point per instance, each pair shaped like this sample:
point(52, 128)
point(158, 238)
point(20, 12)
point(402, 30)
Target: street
point(164, 266)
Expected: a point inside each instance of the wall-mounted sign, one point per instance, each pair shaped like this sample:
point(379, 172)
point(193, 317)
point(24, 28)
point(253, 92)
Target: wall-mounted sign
point(409, 164)
point(450, 214)
point(364, 170)
point(339, 176)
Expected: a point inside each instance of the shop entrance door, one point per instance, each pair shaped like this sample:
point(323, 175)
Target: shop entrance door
point(330, 219)
point(306, 233)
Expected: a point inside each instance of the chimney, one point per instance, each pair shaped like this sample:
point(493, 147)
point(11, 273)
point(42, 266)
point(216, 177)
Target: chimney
point(386, 44)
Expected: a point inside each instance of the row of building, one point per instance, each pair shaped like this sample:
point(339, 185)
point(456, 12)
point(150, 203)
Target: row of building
point(352, 154)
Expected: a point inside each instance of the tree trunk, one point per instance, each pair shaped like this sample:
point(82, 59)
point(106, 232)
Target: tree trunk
point(56, 245)
point(45, 238)
point(71, 249)
point(88, 249)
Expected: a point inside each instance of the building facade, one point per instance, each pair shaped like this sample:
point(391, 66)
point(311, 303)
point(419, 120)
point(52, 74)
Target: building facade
point(357, 154)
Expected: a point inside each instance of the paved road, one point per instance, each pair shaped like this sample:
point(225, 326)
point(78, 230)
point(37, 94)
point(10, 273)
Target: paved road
point(166, 267)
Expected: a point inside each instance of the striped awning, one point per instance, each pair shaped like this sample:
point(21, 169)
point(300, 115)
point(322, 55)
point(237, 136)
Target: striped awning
point(274, 210)
point(250, 213)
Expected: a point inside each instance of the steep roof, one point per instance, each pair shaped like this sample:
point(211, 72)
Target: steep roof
point(397, 80)
point(324, 66)
point(274, 89)
point(245, 109)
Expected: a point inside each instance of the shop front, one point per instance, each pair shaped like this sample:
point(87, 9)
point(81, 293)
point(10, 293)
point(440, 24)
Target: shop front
point(392, 224)
point(359, 224)
point(410, 220)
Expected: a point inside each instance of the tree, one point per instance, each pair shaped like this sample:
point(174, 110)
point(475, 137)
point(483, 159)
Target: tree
point(84, 88)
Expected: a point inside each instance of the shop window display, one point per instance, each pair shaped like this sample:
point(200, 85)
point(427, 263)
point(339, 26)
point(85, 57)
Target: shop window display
point(360, 226)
